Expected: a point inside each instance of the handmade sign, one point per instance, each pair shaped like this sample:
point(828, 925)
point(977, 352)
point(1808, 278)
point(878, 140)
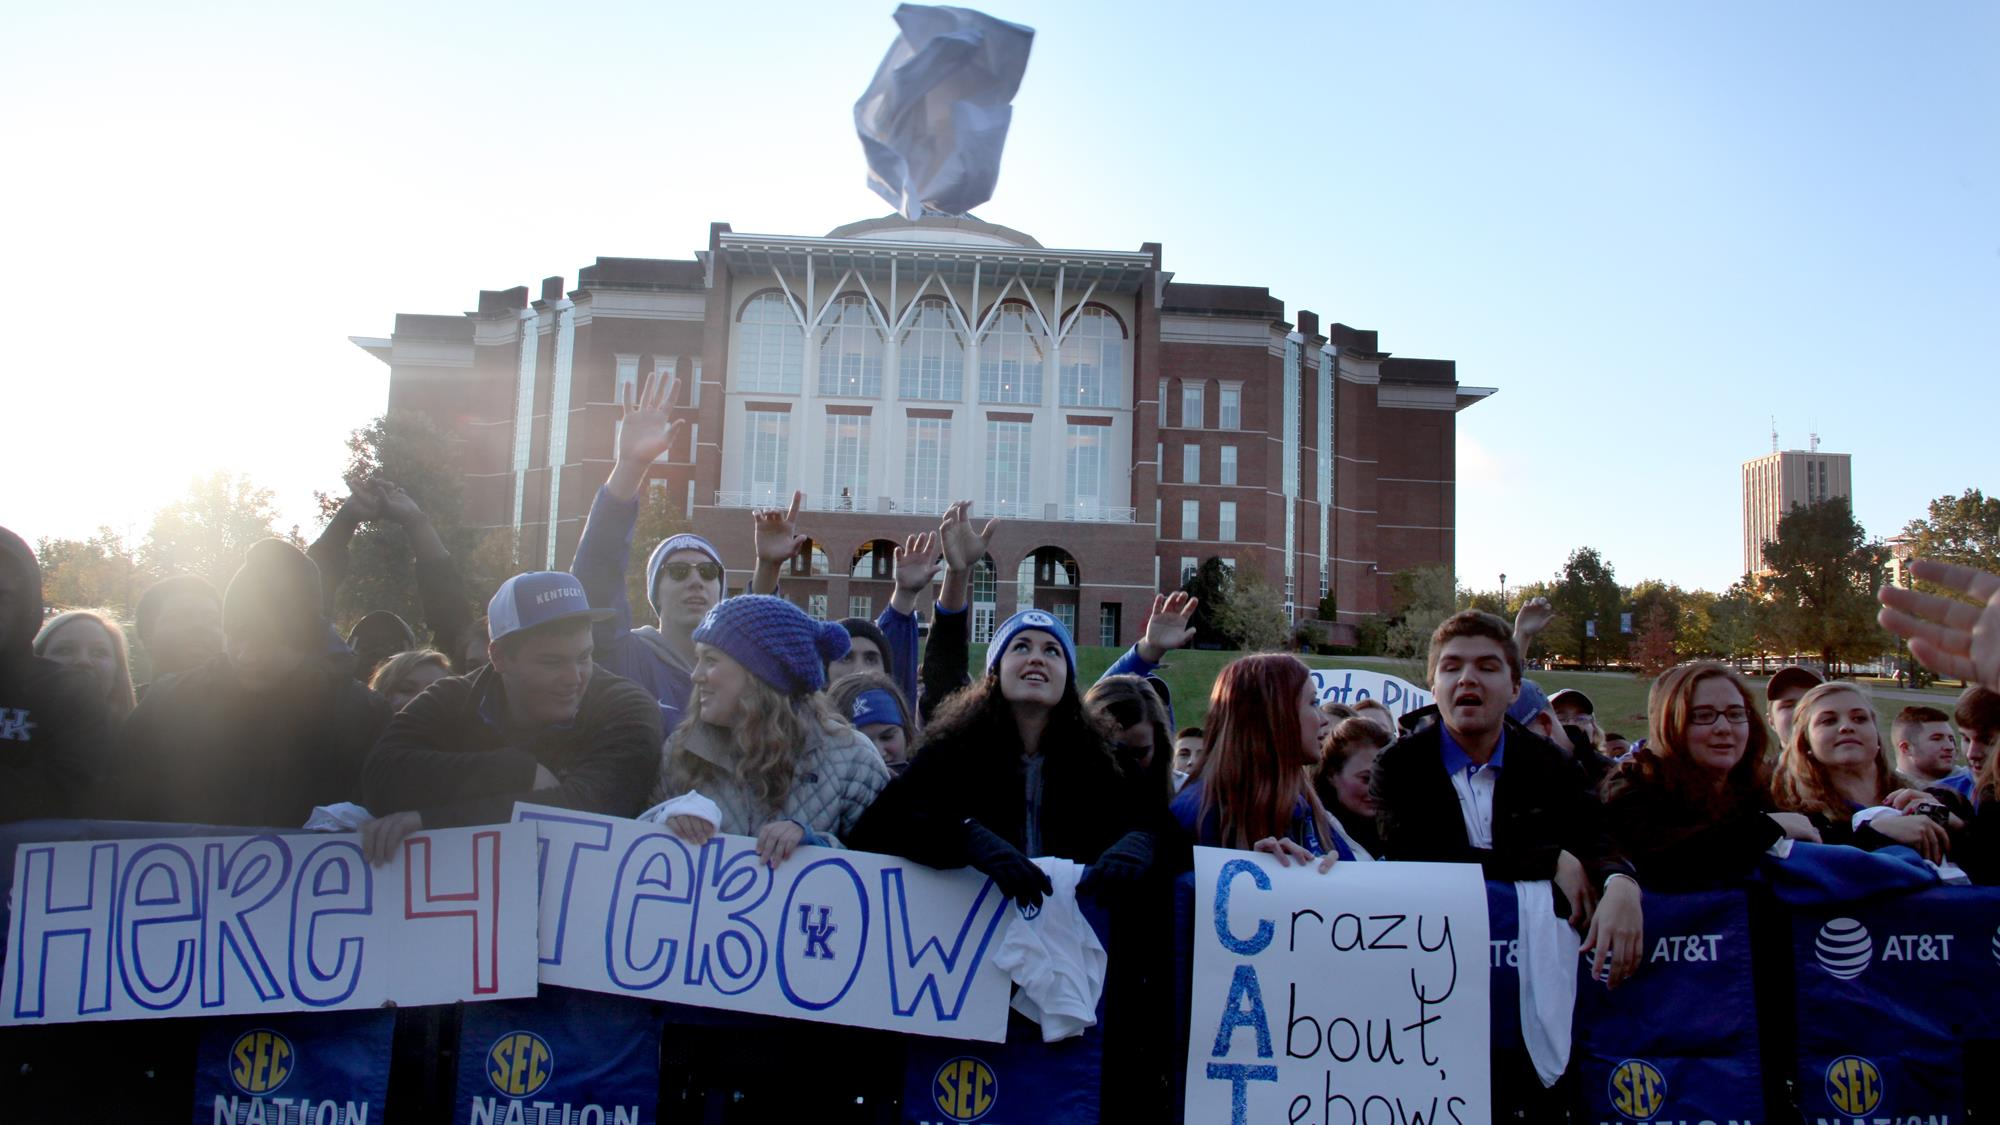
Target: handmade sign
point(829, 935)
point(124, 929)
point(1352, 685)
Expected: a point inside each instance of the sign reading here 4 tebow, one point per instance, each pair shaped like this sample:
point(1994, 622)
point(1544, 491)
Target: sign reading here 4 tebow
point(1357, 995)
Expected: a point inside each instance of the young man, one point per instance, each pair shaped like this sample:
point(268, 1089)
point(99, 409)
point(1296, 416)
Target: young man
point(539, 723)
point(1788, 685)
point(1978, 716)
point(52, 730)
point(1470, 789)
point(1574, 709)
point(180, 624)
point(1927, 748)
point(261, 734)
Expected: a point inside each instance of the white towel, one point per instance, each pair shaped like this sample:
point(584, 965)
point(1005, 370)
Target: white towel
point(1548, 978)
point(1054, 958)
point(343, 817)
point(690, 803)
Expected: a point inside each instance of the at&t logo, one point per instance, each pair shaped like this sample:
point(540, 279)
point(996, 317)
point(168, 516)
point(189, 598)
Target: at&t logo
point(965, 1089)
point(519, 1064)
point(1844, 948)
point(1853, 1085)
point(1638, 1089)
point(260, 1061)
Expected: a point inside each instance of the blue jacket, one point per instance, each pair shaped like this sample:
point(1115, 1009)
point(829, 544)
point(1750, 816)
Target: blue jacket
point(1206, 831)
point(641, 655)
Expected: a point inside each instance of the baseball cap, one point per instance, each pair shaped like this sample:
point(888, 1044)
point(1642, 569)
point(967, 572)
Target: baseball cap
point(1792, 676)
point(1529, 704)
point(1573, 696)
point(536, 598)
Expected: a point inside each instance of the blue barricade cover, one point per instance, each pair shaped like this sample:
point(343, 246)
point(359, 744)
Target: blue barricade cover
point(591, 1058)
point(313, 1068)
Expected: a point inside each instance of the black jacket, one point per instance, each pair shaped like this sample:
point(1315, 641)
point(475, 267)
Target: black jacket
point(451, 756)
point(1541, 807)
point(945, 656)
point(201, 749)
point(1675, 844)
point(52, 727)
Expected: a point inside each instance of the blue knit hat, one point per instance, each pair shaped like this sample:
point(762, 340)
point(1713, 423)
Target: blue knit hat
point(774, 640)
point(658, 559)
point(1023, 621)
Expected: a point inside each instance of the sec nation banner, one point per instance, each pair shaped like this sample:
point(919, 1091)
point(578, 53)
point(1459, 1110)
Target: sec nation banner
point(194, 926)
point(1347, 998)
point(834, 936)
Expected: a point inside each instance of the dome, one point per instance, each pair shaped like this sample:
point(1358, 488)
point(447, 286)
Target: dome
point(934, 229)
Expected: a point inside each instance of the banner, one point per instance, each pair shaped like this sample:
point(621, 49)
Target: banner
point(327, 1068)
point(1355, 995)
point(562, 1058)
point(1352, 685)
point(1889, 991)
point(834, 936)
point(218, 925)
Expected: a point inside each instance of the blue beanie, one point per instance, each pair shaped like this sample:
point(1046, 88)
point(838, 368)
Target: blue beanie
point(658, 559)
point(774, 640)
point(1530, 703)
point(1023, 621)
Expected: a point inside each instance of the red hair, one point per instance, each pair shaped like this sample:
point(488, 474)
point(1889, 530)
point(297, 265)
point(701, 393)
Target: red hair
point(1253, 770)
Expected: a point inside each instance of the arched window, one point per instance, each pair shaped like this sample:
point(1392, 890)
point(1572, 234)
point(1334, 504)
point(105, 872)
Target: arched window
point(1011, 357)
point(850, 349)
point(1093, 359)
point(932, 356)
point(770, 346)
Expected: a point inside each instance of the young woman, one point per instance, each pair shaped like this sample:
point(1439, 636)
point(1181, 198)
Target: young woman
point(760, 740)
point(405, 675)
point(1342, 778)
point(1836, 765)
point(84, 638)
point(1013, 767)
point(1693, 808)
point(1144, 742)
point(1253, 790)
point(876, 707)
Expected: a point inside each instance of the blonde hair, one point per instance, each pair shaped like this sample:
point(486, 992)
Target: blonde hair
point(1801, 784)
point(119, 698)
point(402, 664)
point(770, 734)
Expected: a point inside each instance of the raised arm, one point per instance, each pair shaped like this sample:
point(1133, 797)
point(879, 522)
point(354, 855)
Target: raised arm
point(646, 431)
point(775, 533)
point(440, 590)
point(330, 551)
point(917, 566)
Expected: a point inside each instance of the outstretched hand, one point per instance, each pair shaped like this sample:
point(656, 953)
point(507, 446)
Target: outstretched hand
point(775, 531)
point(1535, 615)
point(396, 504)
point(964, 543)
point(1950, 637)
point(917, 562)
point(647, 428)
point(363, 503)
point(1170, 626)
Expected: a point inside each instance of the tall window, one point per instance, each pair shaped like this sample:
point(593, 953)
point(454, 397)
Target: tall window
point(1011, 357)
point(1093, 359)
point(932, 358)
point(767, 439)
point(816, 606)
point(1083, 472)
point(1191, 395)
point(1009, 446)
point(770, 347)
point(1225, 522)
point(1189, 565)
point(850, 350)
point(1229, 464)
point(1229, 415)
point(860, 605)
point(1163, 402)
point(1066, 613)
point(847, 459)
point(1107, 624)
point(1190, 519)
point(985, 588)
point(1191, 463)
point(926, 465)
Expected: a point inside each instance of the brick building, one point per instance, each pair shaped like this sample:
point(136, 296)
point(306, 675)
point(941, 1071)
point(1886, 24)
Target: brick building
point(1126, 425)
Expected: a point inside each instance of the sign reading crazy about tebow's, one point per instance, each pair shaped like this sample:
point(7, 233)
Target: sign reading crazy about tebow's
point(1352, 685)
point(200, 926)
point(834, 936)
point(1355, 996)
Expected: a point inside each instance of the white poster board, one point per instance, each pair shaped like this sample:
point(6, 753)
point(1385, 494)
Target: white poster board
point(829, 935)
point(1358, 995)
point(220, 925)
point(1352, 685)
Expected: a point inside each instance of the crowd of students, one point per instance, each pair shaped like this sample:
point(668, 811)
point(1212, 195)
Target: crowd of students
point(742, 714)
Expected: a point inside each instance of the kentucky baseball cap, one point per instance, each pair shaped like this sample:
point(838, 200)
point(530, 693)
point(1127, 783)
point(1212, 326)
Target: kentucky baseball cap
point(1792, 676)
point(1529, 703)
point(537, 598)
point(1573, 696)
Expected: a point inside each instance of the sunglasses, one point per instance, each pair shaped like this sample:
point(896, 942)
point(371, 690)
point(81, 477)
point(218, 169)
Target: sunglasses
point(678, 571)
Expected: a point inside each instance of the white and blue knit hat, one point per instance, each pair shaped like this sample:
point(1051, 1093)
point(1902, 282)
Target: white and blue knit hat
point(1020, 623)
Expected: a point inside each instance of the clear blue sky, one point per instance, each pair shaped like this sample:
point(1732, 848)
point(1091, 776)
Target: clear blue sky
point(1651, 226)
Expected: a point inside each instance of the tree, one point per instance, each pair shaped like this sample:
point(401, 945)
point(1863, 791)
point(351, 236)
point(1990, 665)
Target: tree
point(1959, 529)
point(98, 572)
point(1252, 614)
point(1653, 644)
point(1821, 581)
point(1210, 583)
point(1733, 622)
point(206, 532)
point(1424, 597)
point(1586, 590)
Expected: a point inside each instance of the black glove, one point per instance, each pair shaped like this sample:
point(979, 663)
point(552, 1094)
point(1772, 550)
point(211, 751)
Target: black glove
point(1121, 866)
point(1016, 875)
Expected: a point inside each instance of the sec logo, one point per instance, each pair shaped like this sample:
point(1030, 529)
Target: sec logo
point(965, 1089)
point(1853, 1085)
point(260, 1061)
point(1638, 1089)
point(519, 1064)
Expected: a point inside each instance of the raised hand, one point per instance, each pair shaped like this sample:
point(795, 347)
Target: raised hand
point(1169, 627)
point(364, 502)
point(1535, 615)
point(964, 544)
point(775, 532)
point(647, 428)
point(396, 504)
point(1950, 637)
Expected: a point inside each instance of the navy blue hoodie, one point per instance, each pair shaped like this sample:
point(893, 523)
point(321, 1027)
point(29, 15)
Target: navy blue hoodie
point(52, 725)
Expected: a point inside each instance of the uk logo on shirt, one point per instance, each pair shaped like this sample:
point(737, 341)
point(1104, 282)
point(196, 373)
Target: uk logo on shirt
point(14, 725)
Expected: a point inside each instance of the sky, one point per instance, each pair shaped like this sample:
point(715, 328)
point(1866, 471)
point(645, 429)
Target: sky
point(1652, 227)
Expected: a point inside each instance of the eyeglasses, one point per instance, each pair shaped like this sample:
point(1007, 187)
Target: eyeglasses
point(678, 571)
point(1709, 716)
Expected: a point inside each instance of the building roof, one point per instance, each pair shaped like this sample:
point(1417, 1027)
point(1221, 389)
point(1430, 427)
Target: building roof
point(994, 263)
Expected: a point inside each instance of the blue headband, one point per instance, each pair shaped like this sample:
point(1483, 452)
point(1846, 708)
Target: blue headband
point(877, 706)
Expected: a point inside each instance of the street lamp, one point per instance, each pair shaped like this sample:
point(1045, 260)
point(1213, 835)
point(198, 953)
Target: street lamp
point(1503, 589)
